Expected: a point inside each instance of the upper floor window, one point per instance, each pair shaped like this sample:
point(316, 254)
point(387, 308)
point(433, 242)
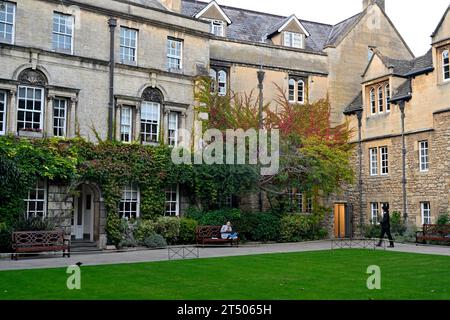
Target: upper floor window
point(62, 37)
point(35, 203)
point(446, 65)
point(7, 21)
point(125, 124)
point(128, 45)
point(425, 208)
point(59, 117)
point(2, 112)
point(384, 156)
point(173, 201)
point(373, 154)
point(174, 54)
point(151, 115)
point(296, 91)
point(424, 158)
point(129, 202)
point(293, 39)
point(373, 105)
point(173, 129)
point(30, 108)
point(380, 99)
point(217, 28)
point(387, 95)
point(220, 81)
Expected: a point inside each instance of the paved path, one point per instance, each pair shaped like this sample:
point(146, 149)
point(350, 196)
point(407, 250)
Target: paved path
point(55, 261)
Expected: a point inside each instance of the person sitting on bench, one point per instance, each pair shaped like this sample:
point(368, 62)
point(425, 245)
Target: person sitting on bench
point(227, 232)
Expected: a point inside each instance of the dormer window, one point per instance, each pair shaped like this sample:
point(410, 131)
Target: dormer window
point(217, 28)
point(379, 98)
point(293, 40)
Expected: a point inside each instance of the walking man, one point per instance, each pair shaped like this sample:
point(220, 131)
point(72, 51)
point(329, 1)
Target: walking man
point(386, 227)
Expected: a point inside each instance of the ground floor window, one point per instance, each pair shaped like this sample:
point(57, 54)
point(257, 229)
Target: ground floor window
point(36, 201)
point(374, 212)
point(172, 201)
point(2, 112)
point(425, 209)
point(129, 202)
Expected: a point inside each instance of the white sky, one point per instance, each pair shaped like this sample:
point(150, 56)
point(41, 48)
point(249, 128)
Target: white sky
point(415, 19)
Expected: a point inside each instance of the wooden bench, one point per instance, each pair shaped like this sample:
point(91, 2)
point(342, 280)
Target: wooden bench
point(39, 241)
point(212, 235)
point(433, 232)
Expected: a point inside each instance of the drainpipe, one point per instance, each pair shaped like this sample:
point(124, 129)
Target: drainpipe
point(261, 75)
point(360, 182)
point(404, 181)
point(112, 22)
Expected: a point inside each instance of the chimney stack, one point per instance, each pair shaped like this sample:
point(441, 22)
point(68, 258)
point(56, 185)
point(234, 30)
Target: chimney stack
point(172, 5)
point(381, 3)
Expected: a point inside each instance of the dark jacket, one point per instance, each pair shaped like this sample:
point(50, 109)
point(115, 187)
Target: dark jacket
point(385, 222)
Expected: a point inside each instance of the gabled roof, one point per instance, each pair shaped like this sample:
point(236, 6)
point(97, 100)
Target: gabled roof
point(340, 30)
point(355, 105)
point(284, 23)
point(441, 21)
point(213, 4)
point(255, 26)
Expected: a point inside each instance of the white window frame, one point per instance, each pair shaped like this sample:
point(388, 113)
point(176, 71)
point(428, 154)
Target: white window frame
point(302, 84)
point(387, 97)
point(13, 24)
point(384, 161)
point(172, 190)
point(4, 113)
point(171, 56)
point(60, 118)
point(380, 99)
point(293, 40)
point(217, 25)
point(125, 43)
point(26, 88)
point(374, 212)
point(373, 158)
point(152, 122)
point(373, 103)
point(41, 185)
point(425, 211)
point(424, 156)
point(446, 65)
point(126, 125)
point(172, 128)
point(291, 90)
point(133, 190)
point(213, 76)
point(69, 18)
point(222, 77)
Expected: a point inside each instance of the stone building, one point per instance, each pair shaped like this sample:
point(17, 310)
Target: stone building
point(126, 69)
point(402, 114)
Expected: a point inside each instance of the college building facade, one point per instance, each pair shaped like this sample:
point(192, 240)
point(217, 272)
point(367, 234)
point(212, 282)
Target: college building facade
point(127, 69)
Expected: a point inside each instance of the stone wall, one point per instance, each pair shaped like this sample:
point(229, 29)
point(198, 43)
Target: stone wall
point(60, 206)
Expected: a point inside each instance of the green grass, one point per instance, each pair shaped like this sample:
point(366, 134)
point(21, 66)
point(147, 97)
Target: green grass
point(333, 275)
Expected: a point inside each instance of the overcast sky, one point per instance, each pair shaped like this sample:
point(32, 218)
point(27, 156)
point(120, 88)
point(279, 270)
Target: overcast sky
point(415, 19)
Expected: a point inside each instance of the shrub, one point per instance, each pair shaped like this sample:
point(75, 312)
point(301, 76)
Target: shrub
point(295, 227)
point(168, 227)
point(215, 218)
point(443, 219)
point(33, 224)
point(128, 231)
point(372, 231)
point(409, 235)
point(154, 241)
point(267, 227)
point(113, 229)
point(5, 238)
point(144, 229)
point(397, 225)
point(187, 231)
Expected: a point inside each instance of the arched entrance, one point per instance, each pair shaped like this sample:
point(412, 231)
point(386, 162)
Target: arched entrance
point(88, 214)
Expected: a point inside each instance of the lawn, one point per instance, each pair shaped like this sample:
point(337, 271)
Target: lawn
point(339, 274)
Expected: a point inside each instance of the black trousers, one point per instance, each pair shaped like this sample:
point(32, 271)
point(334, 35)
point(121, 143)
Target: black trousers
point(386, 231)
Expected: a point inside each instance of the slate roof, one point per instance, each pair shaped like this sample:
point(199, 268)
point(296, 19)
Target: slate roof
point(341, 29)
point(403, 92)
point(355, 105)
point(248, 25)
point(422, 64)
